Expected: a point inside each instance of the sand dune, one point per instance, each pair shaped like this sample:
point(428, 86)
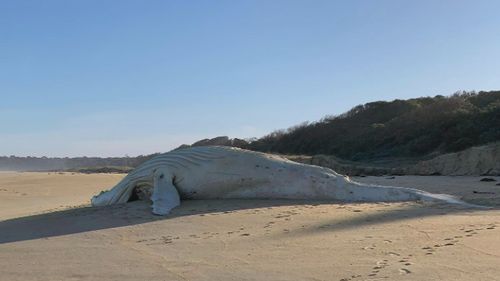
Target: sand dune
point(48, 232)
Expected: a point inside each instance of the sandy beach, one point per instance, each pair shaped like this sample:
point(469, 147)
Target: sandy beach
point(49, 232)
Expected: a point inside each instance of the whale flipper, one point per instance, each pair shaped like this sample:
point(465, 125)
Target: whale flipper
point(165, 195)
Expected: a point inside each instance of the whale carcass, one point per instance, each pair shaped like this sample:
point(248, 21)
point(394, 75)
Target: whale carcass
point(211, 172)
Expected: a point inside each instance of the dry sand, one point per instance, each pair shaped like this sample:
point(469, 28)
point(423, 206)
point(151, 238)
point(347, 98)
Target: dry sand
point(47, 233)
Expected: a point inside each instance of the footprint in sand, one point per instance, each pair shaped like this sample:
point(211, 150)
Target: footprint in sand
point(371, 247)
point(404, 260)
point(469, 231)
point(166, 239)
point(208, 235)
point(280, 216)
point(269, 224)
point(351, 278)
point(380, 266)
point(429, 250)
point(404, 271)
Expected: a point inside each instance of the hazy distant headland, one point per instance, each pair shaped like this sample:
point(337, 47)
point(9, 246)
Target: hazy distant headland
point(112, 164)
point(378, 135)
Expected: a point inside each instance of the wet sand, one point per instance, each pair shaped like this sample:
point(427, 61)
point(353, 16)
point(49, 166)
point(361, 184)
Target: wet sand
point(48, 232)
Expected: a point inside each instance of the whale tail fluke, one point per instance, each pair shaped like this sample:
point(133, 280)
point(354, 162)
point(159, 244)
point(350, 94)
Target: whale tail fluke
point(449, 199)
point(356, 191)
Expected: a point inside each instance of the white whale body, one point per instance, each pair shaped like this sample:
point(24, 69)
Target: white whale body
point(211, 172)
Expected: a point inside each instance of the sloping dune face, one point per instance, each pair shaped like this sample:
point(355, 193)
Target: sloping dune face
point(480, 160)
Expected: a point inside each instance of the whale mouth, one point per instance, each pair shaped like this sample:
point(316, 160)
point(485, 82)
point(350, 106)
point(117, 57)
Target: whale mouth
point(142, 193)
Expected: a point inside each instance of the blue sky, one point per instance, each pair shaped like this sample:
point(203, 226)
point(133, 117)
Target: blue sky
point(109, 78)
